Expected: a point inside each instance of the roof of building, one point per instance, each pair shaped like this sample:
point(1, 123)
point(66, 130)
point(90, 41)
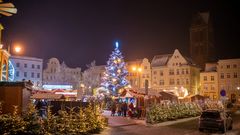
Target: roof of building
point(160, 60)
point(13, 84)
point(26, 58)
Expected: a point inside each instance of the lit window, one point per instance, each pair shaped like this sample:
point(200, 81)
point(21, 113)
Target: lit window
point(182, 71)
point(161, 73)
point(171, 72)
point(187, 81)
point(161, 82)
point(177, 72)
point(222, 76)
point(178, 82)
point(205, 78)
point(212, 78)
point(186, 71)
point(154, 72)
point(171, 81)
point(235, 75)
point(228, 75)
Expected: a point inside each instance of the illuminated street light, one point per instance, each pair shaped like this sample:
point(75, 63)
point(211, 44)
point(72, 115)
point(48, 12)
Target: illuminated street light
point(139, 69)
point(17, 49)
point(134, 68)
point(238, 88)
point(82, 85)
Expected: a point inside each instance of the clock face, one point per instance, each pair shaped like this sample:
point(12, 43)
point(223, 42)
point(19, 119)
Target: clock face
point(11, 72)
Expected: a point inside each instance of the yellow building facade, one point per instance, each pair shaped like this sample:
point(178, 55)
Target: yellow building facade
point(209, 85)
point(139, 73)
point(229, 78)
point(176, 73)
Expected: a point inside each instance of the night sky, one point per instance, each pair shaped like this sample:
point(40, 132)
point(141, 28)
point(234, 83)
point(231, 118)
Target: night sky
point(80, 31)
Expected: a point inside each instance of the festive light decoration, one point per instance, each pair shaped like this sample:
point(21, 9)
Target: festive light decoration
point(116, 72)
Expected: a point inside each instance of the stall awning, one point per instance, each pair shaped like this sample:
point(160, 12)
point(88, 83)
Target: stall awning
point(47, 96)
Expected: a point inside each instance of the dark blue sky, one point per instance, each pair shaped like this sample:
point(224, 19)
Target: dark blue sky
point(80, 31)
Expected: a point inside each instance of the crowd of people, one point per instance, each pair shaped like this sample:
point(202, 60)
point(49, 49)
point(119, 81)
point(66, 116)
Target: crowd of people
point(125, 109)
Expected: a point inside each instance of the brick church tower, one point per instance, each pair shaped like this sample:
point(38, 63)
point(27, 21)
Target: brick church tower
point(202, 48)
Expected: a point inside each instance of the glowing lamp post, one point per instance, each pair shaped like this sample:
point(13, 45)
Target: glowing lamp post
point(138, 70)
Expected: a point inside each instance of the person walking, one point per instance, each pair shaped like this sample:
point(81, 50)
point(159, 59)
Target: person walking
point(113, 108)
point(125, 108)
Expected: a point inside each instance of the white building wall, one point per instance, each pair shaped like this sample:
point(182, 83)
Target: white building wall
point(27, 68)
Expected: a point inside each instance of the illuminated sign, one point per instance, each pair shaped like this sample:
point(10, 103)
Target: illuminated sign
point(52, 87)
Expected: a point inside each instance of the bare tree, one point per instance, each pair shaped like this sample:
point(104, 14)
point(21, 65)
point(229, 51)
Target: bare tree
point(91, 77)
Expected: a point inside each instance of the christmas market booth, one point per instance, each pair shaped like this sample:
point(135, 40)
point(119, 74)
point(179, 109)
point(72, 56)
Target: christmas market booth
point(193, 98)
point(15, 94)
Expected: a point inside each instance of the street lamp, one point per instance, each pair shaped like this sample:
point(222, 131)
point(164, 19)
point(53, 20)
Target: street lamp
point(17, 48)
point(138, 70)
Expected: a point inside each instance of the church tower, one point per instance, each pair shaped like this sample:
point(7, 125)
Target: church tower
point(202, 48)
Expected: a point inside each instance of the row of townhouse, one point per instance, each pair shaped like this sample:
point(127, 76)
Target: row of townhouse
point(177, 73)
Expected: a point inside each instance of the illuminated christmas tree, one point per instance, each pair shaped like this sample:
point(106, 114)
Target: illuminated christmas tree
point(115, 75)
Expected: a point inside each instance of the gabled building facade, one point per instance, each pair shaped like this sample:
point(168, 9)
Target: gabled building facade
point(174, 72)
point(57, 74)
point(139, 73)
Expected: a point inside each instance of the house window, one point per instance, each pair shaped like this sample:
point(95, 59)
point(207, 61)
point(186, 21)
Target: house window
point(25, 74)
point(212, 87)
point(186, 71)
point(228, 75)
point(228, 66)
point(33, 66)
point(182, 71)
point(32, 75)
point(178, 82)
point(161, 82)
point(154, 72)
point(145, 67)
point(212, 78)
point(18, 65)
point(161, 73)
point(38, 75)
point(235, 66)
point(171, 72)
point(25, 65)
point(177, 71)
point(17, 74)
point(235, 75)
point(205, 78)
point(187, 81)
point(147, 75)
point(222, 76)
point(171, 81)
point(143, 76)
point(38, 66)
